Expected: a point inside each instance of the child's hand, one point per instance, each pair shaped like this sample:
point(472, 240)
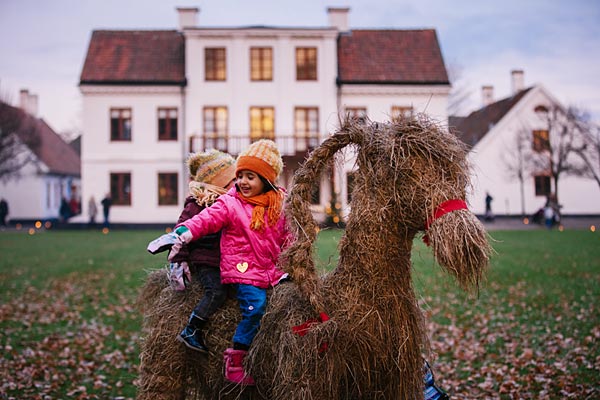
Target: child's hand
point(173, 240)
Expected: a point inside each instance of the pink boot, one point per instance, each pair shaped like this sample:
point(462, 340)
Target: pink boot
point(234, 368)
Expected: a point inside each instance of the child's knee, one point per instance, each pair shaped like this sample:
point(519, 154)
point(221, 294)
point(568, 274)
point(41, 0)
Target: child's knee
point(256, 309)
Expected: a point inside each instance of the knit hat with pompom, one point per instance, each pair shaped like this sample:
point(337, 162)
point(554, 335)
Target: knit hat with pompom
point(263, 158)
point(213, 167)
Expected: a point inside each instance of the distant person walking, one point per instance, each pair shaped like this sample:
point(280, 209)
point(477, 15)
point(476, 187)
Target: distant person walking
point(106, 204)
point(65, 210)
point(549, 215)
point(92, 211)
point(3, 211)
point(489, 215)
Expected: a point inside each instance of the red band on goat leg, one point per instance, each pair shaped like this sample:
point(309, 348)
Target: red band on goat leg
point(443, 209)
point(303, 329)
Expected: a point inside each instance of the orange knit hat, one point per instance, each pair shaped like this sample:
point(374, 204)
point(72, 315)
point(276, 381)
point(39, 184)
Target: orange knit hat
point(261, 157)
point(213, 167)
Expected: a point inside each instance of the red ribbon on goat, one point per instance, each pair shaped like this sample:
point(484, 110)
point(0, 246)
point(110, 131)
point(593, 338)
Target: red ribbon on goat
point(303, 329)
point(443, 209)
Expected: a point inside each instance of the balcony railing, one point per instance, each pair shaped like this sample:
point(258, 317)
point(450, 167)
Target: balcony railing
point(288, 145)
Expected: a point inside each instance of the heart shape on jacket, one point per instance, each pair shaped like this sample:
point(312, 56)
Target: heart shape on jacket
point(242, 267)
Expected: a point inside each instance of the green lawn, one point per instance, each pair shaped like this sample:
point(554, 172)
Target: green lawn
point(68, 328)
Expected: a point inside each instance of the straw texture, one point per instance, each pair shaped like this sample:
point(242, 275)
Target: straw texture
point(372, 346)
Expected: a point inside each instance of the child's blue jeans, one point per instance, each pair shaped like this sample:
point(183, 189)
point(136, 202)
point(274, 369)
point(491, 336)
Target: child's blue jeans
point(253, 303)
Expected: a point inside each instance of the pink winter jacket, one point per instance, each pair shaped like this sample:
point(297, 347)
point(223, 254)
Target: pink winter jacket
point(247, 256)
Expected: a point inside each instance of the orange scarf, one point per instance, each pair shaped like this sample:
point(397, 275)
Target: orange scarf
point(269, 204)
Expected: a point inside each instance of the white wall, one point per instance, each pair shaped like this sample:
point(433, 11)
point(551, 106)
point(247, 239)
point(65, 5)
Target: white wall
point(36, 195)
point(239, 93)
point(143, 157)
point(378, 101)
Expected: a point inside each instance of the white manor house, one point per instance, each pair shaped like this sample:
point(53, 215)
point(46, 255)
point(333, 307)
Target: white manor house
point(151, 97)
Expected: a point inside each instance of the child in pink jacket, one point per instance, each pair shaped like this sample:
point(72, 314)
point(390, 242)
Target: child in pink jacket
point(253, 232)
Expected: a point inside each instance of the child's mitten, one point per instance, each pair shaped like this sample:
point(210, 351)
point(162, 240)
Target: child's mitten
point(179, 275)
point(172, 240)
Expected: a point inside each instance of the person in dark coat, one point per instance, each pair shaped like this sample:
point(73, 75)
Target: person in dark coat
point(3, 211)
point(106, 204)
point(489, 216)
point(65, 210)
point(212, 173)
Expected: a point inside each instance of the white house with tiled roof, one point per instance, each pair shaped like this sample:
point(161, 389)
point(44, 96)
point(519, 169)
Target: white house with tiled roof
point(152, 97)
point(51, 173)
point(492, 132)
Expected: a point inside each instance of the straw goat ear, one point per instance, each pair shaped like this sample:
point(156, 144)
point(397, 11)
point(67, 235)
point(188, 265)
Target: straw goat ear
point(460, 245)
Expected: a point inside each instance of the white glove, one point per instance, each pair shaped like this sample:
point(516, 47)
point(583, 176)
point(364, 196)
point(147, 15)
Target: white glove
point(173, 240)
point(179, 273)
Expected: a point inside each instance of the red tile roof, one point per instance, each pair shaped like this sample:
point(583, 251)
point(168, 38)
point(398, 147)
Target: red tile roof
point(391, 56)
point(472, 128)
point(47, 146)
point(55, 152)
point(135, 57)
point(364, 56)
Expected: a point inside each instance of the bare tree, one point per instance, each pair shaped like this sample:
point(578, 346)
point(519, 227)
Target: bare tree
point(563, 146)
point(514, 160)
point(588, 150)
point(555, 147)
point(18, 138)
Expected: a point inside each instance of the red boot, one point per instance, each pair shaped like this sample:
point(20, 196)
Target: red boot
point(234, 368)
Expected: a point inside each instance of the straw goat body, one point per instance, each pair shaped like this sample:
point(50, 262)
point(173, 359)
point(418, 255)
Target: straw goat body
point(372, 345)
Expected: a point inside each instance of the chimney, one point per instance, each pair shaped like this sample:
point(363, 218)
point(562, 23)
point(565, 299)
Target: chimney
point(28, 102)
point(487, 95)
point(338, 18)
point(517, 80)
point(188, 17)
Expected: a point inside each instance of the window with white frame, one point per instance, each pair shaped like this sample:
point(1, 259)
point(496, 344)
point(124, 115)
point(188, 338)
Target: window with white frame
point(540, 140)
point(167, 124)
point(542, 185)
point(215, 64)
point(357, 113)
point(216, 129)
point(120, 124)
point(306, 63)
point(167, 188)
point(261, 64)
point(262, 123)
point(401, 111)
point(306, 127)
point(120, 188)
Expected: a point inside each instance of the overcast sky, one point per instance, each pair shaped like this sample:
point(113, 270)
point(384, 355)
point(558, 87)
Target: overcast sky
point(555, 42)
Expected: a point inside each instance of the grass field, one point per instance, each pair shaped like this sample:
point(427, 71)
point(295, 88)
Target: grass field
point(69, 329)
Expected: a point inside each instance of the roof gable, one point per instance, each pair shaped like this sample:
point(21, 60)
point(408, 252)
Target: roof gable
point(391, 56)
point(135, 57)
point(41, 140)
point(54, 152)
point(472, 129)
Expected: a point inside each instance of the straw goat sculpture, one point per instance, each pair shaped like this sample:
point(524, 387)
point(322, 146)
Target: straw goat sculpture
point(356, 332)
